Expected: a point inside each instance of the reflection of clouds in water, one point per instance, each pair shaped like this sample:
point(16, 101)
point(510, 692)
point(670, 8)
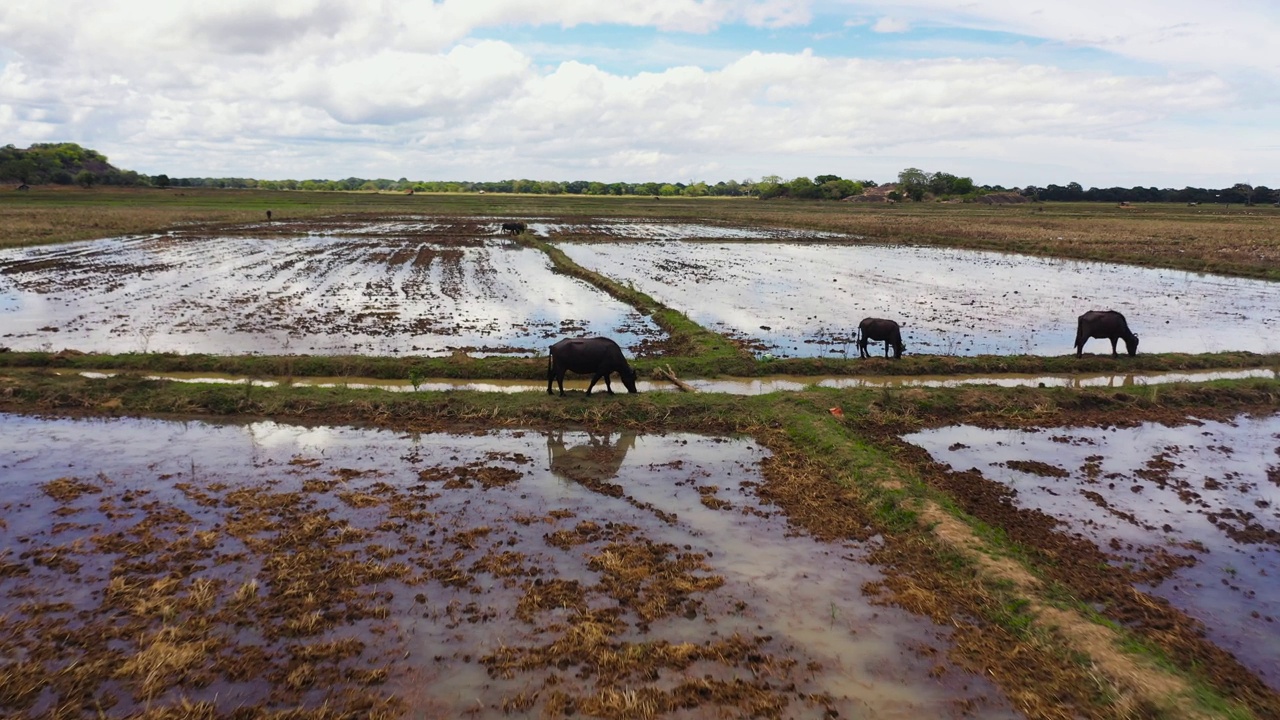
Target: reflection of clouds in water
point(330, 294)
point(270, 434)
point(640, 229)
point(1163, 488)
point(958, 301)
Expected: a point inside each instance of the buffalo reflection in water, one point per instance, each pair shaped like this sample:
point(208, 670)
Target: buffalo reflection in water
point(597, 459)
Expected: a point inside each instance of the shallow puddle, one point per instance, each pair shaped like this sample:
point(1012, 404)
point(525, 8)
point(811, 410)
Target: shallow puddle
point(479, 575)
point(806, 299)
point(385, 288)
point(640, 229)
point(1205, 495)
point(735, 385)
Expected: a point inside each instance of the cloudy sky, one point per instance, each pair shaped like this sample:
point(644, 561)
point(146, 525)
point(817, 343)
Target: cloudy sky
point(1013, 92)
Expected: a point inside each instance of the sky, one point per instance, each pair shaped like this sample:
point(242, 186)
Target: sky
point(1165, 93)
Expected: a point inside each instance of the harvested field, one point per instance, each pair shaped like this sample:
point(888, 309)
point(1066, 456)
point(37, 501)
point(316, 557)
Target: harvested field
point(1191, 509)
point(806, 299)
point(265, 566)
point(403, 286)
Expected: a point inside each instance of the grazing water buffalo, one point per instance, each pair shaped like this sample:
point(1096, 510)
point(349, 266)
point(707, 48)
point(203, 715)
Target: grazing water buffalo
point(878, 329)
point(514, 228)
point(599, 356)
point(1107, 324)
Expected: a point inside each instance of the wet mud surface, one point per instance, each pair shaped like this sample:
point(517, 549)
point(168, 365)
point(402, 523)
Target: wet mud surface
point(408, 285)
point(256, 567)
point(1192, 511)
point(805, 299)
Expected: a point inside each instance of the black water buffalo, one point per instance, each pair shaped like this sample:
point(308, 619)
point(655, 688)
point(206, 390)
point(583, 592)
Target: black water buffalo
point(514, 228)
point(880, 330)
point(1107, 324)
point(599, 356)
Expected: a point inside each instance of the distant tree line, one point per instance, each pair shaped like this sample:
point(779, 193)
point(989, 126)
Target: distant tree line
point(1240, 193)
point(68, 163)
point(62, 164)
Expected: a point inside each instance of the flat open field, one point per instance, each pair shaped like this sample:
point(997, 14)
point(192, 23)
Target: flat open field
point(806, 299)
point(404, 286)
point(784, 549)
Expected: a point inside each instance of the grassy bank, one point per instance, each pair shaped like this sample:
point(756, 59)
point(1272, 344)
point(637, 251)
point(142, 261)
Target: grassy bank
point(723, 363)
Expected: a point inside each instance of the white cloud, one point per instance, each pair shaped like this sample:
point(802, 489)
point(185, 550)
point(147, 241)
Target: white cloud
point(331, 88)
point(1177, 33)
point(891, 25)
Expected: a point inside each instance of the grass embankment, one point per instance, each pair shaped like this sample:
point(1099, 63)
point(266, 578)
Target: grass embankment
point(1232, 240)
point(718, 363)
point(1016, 616)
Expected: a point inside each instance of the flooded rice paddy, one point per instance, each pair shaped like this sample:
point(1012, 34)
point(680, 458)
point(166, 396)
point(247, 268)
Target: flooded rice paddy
point(433, 286)
point(265, 565)
point(395, 287)
point(806, 299)
point(1201, 499)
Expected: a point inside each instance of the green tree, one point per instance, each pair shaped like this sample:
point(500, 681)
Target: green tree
point(802, 188)
point(770, 186)
point(86, 179)
point(913, 182)
point(840, 189)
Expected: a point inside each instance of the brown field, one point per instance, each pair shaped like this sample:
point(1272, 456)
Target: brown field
point(1234, 240)
point(399, 577)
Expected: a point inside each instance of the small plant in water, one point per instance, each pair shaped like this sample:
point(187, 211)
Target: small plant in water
point(145, 336)
point(415, 379)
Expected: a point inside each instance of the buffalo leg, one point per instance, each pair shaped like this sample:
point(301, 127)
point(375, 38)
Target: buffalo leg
point(1113, 347)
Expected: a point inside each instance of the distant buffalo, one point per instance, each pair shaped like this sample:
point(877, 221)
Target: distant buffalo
point(1107, 324)
point(880, 330)
point(23, 186)
point(599, 356)
point(514, 228)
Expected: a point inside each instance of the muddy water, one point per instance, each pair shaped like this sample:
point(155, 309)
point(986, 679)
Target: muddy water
point(793, 299)
point(1207, 492)
point(739, 386)
point(382, 289)
point(512, 547)
point(640, 229)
